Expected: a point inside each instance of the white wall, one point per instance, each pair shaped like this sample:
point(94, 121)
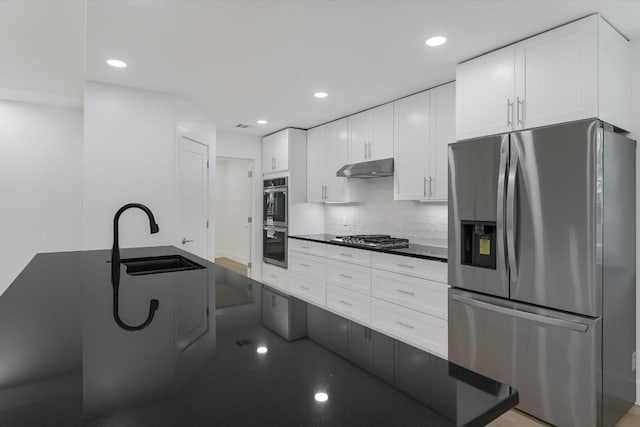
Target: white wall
point(635, 133)
point(240, 146)
point(130, 156)
point(233, 207)
point(40, 176)
point(423, 223)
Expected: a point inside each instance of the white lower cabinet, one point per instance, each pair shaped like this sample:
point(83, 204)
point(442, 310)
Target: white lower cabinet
point(311, 265)
point(418, 294)
point(417, 267)
point(350, 276)
point(308, 288)
point(275, 276)
point(419, 329)
point(403, 297)
point(350, 304)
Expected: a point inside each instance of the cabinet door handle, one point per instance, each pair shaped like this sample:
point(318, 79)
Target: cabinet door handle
point(402, 291)
point(365, 150)
point(306, 288)
point(305, 265)
point(509, 113)
point(346, 276)
point(345, 303)
point(305, 247)
point(273, 276)
point(405, 266)
point(430, 191)
point(346, 255)
point(273, 163)
point(518, 103)
point(369, 150)
point(424, 187)
point(406, 325)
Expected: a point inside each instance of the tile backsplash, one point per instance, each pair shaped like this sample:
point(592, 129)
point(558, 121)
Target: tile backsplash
point(423, 223)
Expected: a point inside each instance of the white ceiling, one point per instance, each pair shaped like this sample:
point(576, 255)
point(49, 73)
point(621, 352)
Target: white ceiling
point(244, 60)
point(42, 51)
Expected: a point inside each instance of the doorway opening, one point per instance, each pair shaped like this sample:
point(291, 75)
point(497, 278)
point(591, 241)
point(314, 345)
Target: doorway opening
point(234, 210)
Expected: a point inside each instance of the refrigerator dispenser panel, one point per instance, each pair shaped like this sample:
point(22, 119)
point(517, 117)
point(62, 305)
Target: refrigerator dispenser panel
point(479, 244)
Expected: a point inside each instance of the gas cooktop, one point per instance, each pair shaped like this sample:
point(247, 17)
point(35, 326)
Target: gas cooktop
point(373, 241)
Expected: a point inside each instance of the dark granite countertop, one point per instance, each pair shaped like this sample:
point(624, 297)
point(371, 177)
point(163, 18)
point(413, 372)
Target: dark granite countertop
point(64, 361)
point(414, 250)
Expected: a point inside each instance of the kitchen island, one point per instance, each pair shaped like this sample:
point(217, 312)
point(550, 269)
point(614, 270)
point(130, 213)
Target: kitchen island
point(72, 352)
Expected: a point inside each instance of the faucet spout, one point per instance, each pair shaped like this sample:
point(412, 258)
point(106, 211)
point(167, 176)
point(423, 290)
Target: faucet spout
point(115, 267)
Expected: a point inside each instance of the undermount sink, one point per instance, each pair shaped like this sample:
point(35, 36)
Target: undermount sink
point(159, 264)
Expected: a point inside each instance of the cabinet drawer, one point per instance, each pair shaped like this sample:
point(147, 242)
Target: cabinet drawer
point(350, 276)
point(415, 328)
point(274, 276)
point(307, 288)
point(348, 303)
point(309, 265)
point(418, 267)
point(351, 255)
point(311, 248)
point(419, 294)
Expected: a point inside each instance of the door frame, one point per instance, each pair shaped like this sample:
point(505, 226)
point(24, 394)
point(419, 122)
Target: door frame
point(252, 209)
point(197, 139)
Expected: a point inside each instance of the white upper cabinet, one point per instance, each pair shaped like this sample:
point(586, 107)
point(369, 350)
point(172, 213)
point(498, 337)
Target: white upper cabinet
point(411, 147)
point(574, 72)
point(327, 152)
point(485, 94)
point(316, 163)
point(371, 134)
point(337, 156)
point(360, 131)
point(442, 119)
point(424, 127)
point(285, 153)
point(275, 152)
point(557, 75)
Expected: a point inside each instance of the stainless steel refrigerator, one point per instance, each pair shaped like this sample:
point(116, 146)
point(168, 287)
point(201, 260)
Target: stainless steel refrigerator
point(542, 268)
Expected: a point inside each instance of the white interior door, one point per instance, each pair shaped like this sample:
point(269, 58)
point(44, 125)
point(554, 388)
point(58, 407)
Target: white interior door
point(192, 196)
point(234, 210)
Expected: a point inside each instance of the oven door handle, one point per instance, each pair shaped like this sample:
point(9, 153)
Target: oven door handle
point(276, 190)
point(278, 229)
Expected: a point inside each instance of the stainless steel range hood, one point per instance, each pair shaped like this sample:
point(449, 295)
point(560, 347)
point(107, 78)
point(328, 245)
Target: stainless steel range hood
point(372, 169)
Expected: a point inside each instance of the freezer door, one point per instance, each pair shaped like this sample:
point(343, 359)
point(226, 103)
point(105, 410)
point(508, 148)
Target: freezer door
point(551, 217)
point(477, 171)
point(551, 358)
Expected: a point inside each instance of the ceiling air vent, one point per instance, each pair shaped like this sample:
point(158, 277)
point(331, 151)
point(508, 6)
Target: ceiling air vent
point(242, 126)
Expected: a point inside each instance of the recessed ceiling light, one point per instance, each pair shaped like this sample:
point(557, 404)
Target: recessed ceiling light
point(261, 122)
point(436, 41)
point(262, 350)
point(321, 94)
point(116, 63)
point(321, 397)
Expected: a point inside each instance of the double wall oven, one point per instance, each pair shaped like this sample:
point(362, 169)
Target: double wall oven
point(275, 227)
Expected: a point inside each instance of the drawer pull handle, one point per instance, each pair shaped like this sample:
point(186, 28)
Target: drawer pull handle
point(273, 276)
point(305, 247)
point(306, 288)
point(305, 265)
point(406, 292)
point(406, 325)
point(347, 255)
point(405, 266)
point(346, 276)
point(345, 303)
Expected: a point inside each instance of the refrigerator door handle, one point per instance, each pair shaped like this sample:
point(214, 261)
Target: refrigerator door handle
point(551, 321)
point(511, 213)
point(502, 258)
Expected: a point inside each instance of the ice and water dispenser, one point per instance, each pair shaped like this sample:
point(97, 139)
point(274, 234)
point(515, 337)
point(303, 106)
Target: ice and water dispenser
point(479, 244)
